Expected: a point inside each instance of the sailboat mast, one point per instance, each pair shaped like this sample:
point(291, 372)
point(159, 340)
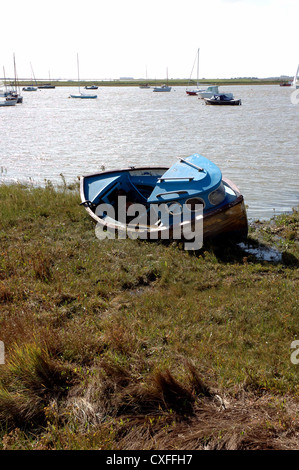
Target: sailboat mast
point(5, 84)
point(197, 65)
point(78, 71)
point(15, 71)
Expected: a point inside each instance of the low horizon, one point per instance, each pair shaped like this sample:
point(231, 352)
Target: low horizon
point(128, 78)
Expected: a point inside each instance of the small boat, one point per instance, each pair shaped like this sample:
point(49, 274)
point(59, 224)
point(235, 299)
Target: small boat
point(192, 186)
point(10, 92)
point(145, 85)
point(8, 102)
point(208, 92)
point(11, 96)
point(164, 87)
point(91, 87)
point(81, 95)
point(15, 94)
point(29, 88)
point(285, 84)
point(223, 99)
point(192, 92)
point(46, 86)
point(14, 97)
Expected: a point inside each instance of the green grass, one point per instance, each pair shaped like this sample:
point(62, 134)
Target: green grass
point(123, 344)
point(155, 82)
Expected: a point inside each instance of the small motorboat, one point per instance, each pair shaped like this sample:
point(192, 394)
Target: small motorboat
point(172, 201)
point(225, 99)
point(208, 92)
point(29, 88)
point(91, 87)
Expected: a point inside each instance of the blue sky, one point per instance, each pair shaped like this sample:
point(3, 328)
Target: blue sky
point(127, 38)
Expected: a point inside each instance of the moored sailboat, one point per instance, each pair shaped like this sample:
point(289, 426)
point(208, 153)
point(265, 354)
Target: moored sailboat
point(164, 87)
point(31, 87)
point(194, 91)
point(47, 85)
point(81, 95)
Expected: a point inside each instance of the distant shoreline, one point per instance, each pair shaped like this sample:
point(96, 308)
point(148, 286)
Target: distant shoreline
point(172, 82)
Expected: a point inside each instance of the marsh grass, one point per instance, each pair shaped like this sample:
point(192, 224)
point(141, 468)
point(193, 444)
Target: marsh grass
point(125, 344)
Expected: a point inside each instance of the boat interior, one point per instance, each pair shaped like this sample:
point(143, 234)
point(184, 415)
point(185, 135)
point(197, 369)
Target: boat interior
point(139, 185)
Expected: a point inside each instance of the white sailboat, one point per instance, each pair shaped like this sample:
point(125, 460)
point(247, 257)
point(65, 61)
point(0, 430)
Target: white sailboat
point(296, 82)
point(194, 91)
point(80, 94)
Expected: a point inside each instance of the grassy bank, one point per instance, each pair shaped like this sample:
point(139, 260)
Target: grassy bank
point(124, 344)
point(172, 82)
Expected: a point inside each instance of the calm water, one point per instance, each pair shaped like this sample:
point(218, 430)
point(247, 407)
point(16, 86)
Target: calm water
point(255, 145)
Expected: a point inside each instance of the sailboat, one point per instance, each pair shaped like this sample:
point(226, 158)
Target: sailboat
point(163, 87)
point(6, 97)
point(295, 82)
point(192, 92)
point(30, 87)
point(16, 92)
point(145, 85)
point(10, 94)
point(47, 85)
point(80, 94)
